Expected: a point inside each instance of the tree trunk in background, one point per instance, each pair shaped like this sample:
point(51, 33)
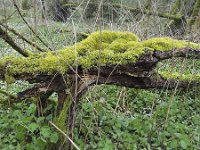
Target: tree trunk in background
point(190, 12)
point(60, 13)
point(177, 27)
point(194, 21)
point(25, 4)
point(43, 9)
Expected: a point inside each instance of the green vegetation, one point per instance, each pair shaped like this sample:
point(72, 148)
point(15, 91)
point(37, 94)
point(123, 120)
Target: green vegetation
point(176, 75)
point(21, 129)
point(120, 118)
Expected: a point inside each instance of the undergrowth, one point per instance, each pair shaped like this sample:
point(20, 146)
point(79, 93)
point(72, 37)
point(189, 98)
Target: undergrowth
point(21, 129)
point(108, 117)
point(138, 119)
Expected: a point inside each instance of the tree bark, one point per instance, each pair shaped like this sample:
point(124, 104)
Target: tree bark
point(60, 13)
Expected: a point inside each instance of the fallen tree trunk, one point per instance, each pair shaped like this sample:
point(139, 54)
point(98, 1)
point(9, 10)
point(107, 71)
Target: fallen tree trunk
point(114, 58)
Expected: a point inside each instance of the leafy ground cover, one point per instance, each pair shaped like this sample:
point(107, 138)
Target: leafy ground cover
point(138, 119)
point(20, 128)
point(112, 118)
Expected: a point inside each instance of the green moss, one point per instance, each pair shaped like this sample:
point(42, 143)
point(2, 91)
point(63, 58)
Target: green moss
point(196, 8)
point(9, 79)
point(166, 44)
point(104, 47)
point(61, 119)
point(178, 76)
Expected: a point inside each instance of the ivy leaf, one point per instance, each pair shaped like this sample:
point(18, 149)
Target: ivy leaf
point(33, 126)
point(54, 138)
point(20, 136)
point(45, 131)
point(183, 144)
point(173, 144)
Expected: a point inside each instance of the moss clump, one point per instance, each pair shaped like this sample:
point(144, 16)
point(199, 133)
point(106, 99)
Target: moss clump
point(103, 40)
point(45, 62)
point(104, 47)
point(166, 44)
point(178, 76)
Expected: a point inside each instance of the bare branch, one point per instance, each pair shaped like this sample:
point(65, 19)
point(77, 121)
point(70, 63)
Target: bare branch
point(36, 35)
point(4, 35)
point(23, 38)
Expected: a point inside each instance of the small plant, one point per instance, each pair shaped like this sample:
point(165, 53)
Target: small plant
point(20, 129)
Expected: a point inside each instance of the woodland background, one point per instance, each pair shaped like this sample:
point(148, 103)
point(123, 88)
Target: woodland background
point(108, 116)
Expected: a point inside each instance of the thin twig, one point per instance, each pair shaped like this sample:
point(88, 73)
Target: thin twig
point(4, 35)
point(64, 135)
point(23, 38)
point(132, 10)
point(14, 3)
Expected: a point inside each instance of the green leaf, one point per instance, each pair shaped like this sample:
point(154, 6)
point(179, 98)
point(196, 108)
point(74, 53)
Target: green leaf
point(33, 126)
point(20, 136)
point(40, 143)
point(54, 138)
point(45, 132)
point(184, 144)
point(18, 147)
point(173, 144)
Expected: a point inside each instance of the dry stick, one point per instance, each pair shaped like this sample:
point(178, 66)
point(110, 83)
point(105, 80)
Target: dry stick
point(4, 35)
point(23, 38)
point(100, 48)
point(14, 2)
point(7, 17)
point(74, 99)
point(64, 135)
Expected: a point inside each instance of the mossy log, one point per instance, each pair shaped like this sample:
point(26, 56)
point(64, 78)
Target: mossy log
point(117, 58)
point(123, 60)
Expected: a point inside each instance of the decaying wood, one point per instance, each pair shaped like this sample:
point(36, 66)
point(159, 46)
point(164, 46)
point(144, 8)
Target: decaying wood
point(139, 74)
